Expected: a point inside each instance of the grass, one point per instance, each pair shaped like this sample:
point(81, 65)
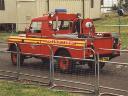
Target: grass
point(124, 40)
point(5, 35)
point(111, 20)
point(9, 88)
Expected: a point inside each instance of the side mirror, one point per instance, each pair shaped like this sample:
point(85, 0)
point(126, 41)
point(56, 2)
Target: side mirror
point(50, 23)
point(27, 29)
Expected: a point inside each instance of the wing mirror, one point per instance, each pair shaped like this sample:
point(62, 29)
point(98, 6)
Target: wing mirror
point(27, 29)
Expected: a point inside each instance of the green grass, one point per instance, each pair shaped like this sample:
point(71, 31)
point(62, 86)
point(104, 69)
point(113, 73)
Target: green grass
point(111, 20)
point(4, 36)
point(124, 40)
point(8, 88)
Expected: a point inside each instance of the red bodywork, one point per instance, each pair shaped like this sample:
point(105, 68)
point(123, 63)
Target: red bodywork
point(48, 32)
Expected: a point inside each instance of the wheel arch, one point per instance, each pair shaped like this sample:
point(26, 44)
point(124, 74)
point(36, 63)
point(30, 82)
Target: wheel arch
point(62, 49)
point(13, 46)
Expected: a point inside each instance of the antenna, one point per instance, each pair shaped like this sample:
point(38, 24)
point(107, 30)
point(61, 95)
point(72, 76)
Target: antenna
point(120, 13)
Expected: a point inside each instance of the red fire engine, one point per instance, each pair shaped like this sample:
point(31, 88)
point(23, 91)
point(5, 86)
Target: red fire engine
point(64, 33)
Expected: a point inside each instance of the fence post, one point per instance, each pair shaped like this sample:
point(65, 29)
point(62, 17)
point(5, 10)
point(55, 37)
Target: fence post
point(18, 61)
point(97, 70)
point(98, 73)
point(51, 75)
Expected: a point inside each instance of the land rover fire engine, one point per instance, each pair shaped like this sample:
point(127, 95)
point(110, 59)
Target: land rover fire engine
point(64, 33)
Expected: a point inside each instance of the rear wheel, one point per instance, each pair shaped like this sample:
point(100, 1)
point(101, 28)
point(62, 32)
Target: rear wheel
point(14, 57)
point(64, 64)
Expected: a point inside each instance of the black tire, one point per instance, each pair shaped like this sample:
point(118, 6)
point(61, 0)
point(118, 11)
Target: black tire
point(14, 56)
point(65, 65)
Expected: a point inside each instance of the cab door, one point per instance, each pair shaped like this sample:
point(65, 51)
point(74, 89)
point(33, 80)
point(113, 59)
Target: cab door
point(33, 38)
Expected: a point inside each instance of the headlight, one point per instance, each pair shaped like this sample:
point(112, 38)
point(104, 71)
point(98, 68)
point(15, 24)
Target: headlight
point(88, 24)
point(99, 34)
point(50, 22)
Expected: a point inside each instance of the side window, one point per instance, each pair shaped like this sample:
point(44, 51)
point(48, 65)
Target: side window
point(2, 5)
point(35, 27)
point(62, 25)
point(92, 3)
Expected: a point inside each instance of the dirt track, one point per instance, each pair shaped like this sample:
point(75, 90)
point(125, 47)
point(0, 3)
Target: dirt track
point(115, 76)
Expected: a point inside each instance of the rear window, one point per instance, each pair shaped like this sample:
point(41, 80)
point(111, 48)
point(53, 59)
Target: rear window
point(62, 25)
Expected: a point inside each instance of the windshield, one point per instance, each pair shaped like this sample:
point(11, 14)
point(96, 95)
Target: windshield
point(35, 27)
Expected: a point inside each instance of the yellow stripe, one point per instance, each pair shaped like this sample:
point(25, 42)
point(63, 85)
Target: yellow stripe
point(30, 41)
point(47, 41)
point(14, 40)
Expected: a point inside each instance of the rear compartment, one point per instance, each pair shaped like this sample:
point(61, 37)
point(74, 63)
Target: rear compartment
point(104, 43)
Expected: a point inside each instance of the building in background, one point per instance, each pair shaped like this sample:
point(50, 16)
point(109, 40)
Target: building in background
point(20, 12)
point(106, 5)
point(8, 14)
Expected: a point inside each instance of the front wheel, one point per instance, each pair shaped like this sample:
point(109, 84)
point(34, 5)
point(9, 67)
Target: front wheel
point(14, 57)
point(64, 64)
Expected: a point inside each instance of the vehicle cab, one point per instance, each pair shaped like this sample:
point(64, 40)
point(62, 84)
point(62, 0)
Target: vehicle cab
point(60, 23)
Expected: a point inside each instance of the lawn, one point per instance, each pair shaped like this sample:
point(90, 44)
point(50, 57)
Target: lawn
point(9, 88)
point(111, 20)
point(5, 35)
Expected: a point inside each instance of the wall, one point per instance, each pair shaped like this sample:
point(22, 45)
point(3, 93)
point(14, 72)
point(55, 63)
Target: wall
point(26, 10)
point(94, 12)
point(76, 6)
point(9, 14)
point(72, 6)
point(22, 11)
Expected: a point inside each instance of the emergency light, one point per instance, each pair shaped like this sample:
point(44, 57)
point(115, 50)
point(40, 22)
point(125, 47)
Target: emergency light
point(61, 10)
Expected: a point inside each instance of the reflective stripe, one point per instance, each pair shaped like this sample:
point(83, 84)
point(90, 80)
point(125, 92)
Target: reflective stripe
point(47, 41)
point(19, 40)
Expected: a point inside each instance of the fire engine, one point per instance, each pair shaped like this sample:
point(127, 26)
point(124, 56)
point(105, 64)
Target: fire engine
point(64, 33)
